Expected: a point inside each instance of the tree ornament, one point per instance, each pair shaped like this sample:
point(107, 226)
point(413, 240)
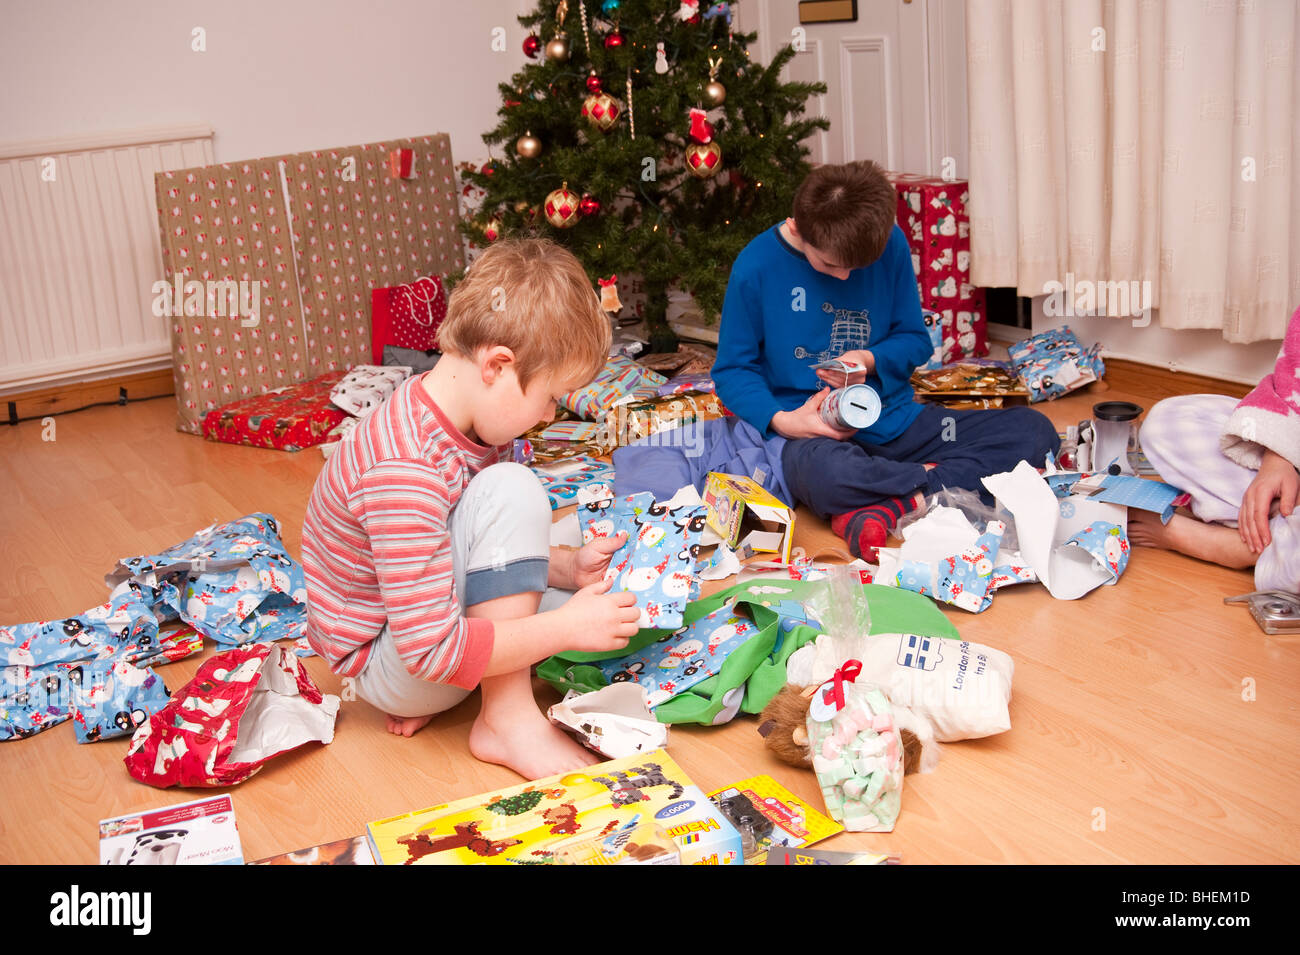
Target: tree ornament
point(610, 6)
point(715, 94)
point(594, 83)
point(701, 128)
point(589, 206)
point(532, 46)
point(528, 146)
point(562, 208)
point(661, 59)
point(703, 159)
point(489, 167)
point(609, 294)
point(492, 229)
point(557, 51)
point(613, 39)
point(601, 110)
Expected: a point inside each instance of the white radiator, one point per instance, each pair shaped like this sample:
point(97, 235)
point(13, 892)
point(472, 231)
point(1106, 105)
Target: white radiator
point(79, 254)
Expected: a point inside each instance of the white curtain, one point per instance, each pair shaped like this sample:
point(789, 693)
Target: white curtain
point(1135, 141)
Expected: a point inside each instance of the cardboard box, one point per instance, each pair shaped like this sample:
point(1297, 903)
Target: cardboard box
point(537, 822)
point(746, 516)
point(192, 833)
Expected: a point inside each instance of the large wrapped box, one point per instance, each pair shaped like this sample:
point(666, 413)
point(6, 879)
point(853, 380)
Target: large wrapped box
point(270, 262)
point(932, 214)
point(638, 808)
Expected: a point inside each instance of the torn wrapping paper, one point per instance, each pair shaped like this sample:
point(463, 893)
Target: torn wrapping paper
point(1054, 362)
point(1075, 544)
point(233, 582)
point(657, 563)
point(1146, 495)
point(614, 721)
point(242, 708)
point(630, 421)
point(682, 659)
point(112, 697)
point(964, 580)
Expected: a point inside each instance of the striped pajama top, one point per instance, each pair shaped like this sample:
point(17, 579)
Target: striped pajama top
point(376, 547)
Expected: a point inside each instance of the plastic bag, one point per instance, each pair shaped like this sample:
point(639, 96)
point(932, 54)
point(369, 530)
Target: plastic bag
point(976, 511)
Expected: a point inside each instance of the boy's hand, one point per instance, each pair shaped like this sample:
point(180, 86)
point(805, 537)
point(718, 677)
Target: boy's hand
point(597, 620)
point(591, 560)
point(836, 379)
point(1277, 481)
point(805, 422)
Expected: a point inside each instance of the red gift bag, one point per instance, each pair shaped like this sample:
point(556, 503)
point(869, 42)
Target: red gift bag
point(407, 316)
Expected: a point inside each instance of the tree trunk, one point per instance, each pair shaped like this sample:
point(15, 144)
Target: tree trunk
point(662, 337)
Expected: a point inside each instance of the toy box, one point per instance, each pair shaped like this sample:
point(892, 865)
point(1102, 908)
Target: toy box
point(191, 833)
point(538, 822)
point(747, 516)
point(770, 818)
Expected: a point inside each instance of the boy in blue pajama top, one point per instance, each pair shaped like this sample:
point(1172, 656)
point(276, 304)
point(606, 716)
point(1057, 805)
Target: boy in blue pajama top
point(835, 281)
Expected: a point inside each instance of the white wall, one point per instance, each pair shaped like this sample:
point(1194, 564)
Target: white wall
point(348, 71)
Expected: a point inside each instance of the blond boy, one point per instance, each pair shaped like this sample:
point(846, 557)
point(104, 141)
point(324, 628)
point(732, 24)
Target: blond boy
point(427, 551)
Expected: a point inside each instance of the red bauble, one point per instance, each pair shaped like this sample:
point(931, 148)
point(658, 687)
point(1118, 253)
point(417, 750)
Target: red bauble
point(613, 40)
point(489, 167)
point(532, 46)
point(589, 206)
point(594, 83)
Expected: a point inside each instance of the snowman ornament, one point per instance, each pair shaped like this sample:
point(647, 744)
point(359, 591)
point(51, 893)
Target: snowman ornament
point(661, 59)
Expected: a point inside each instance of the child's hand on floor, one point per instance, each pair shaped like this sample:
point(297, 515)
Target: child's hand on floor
point(597, 620)
point(806, 422)
point(1277, 480)
point(591, 560)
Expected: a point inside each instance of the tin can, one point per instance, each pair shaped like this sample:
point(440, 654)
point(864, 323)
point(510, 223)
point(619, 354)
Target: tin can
point(851, 408)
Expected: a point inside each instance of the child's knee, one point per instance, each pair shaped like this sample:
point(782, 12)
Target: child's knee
point(510, 486)
point(1036, 431)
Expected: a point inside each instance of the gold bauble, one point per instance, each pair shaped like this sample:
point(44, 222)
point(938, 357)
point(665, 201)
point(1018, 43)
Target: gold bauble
point(528, 146)
point(601, 110)
point(715, 93)
point(703, 160)
point(562, 207)
point(558, 49)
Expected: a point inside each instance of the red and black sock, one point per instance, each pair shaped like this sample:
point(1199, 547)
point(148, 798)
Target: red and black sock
point(867, 528)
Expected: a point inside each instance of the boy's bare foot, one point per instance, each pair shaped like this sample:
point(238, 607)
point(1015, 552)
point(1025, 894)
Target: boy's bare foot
point(1214, 543)
point(406, 725)
point(529, 744)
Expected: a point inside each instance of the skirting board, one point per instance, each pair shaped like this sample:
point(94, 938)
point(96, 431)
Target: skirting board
point(74, 396)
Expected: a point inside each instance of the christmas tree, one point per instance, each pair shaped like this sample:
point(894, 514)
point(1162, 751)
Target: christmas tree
point(644, 139)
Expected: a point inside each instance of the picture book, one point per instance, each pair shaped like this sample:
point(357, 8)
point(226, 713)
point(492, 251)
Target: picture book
point(353, 851)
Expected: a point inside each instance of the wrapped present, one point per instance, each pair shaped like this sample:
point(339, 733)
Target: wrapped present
point(242, 708)
point(702, 382)
point(620, 376)
point(366, 387)
point(932, 214)
point(631, 421)
point(1054, 363)
point(563, 480)
point(288, 419)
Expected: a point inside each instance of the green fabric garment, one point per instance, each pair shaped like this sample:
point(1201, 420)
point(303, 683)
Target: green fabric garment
point(776, 606)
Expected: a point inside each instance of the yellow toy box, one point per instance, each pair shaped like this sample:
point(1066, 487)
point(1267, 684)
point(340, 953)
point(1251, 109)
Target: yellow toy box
point(639, 808)
point(745, 515)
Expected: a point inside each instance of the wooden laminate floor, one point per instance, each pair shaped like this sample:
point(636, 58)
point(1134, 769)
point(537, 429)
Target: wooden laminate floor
point(1150, 723)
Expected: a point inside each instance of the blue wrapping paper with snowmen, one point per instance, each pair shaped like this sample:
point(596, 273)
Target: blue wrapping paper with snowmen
point(657, 563)
point(1055, 362)
point(235, 582)
point(963, 580)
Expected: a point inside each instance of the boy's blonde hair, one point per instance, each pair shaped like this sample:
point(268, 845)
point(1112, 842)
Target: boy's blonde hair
point(533, 297)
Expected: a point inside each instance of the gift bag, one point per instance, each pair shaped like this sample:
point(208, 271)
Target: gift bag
point(242, 708)
point(406, 315)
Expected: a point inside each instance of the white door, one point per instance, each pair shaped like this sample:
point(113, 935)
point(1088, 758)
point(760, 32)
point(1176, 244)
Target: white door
point(895, 78)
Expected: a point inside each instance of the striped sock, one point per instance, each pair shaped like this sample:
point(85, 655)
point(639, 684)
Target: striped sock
point(867, 528)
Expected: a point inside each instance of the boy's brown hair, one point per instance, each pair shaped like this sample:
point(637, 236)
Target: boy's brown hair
point(846, 212)
point(533, 297)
